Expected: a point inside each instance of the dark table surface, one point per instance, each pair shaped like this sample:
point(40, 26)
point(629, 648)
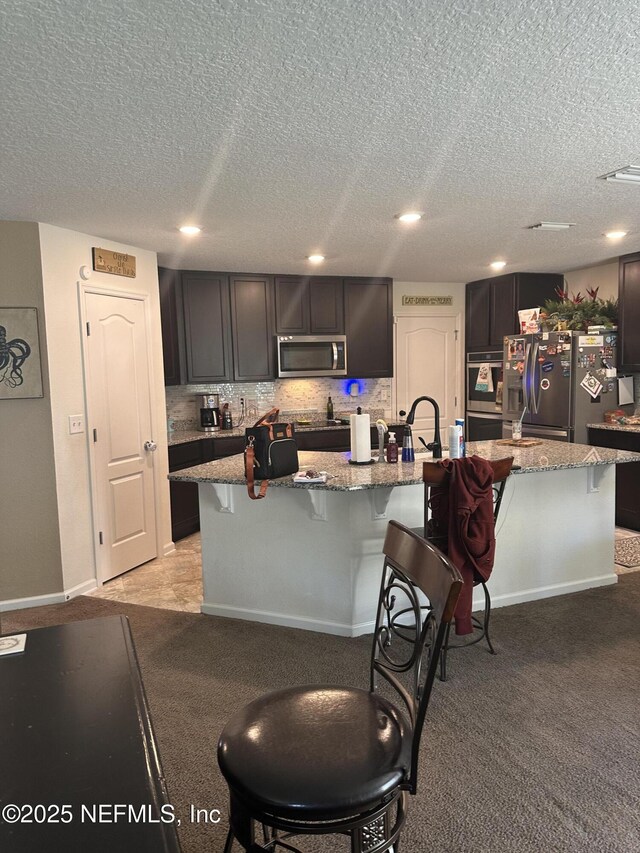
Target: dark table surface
point(75, 735)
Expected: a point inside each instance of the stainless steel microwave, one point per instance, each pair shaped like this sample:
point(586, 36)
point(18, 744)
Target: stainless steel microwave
point(311, 355)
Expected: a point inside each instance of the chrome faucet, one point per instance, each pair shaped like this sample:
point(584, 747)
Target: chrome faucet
point(434, 446)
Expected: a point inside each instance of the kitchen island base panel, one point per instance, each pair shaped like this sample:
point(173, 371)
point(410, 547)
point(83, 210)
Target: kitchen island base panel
point(277, 561)
point(280, 561)
point(555, 535)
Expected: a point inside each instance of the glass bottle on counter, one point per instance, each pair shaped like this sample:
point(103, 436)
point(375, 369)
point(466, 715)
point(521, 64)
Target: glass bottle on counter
point(329, 409)
point(392, 448)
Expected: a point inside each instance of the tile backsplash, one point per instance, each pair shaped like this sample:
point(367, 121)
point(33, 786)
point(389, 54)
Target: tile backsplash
point(294, 397)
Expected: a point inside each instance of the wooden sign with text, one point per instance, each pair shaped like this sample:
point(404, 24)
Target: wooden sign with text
point(427, 300)
point(116, 263)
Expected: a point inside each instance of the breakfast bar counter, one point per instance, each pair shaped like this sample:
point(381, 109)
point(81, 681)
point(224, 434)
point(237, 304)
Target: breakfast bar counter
point(309, 555)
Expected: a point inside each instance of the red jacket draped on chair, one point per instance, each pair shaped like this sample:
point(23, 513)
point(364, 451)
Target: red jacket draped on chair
point(462, 514)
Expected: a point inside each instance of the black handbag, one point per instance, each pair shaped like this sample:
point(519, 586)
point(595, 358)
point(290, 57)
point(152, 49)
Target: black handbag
point(270, 451)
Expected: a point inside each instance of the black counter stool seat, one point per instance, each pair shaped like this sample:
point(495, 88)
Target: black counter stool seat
point(356, 751)
point(325, 759)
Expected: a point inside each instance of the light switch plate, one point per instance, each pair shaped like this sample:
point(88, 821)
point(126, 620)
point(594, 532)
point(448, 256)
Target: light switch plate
point(76, 424)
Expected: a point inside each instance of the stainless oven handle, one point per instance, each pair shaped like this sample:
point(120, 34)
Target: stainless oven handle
point(496, 417)
point(334, 347)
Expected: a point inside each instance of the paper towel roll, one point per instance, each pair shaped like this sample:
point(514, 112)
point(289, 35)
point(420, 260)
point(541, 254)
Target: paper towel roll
point(360, 438)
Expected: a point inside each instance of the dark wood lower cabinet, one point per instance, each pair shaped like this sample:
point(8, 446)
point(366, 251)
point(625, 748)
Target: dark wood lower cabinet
point(627, 474)
point(185, 511)
point(185, 505)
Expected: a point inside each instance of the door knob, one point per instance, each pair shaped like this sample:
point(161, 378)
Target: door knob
point(150, 445)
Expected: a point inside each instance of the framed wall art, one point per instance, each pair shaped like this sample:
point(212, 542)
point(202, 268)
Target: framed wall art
point(20, 370)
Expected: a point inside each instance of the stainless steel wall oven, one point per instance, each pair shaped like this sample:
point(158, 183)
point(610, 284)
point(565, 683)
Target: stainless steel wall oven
point(484, 395)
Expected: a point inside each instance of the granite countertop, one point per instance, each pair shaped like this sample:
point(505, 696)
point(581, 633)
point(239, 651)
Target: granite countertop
point(622, 427)
point(182, 436)
point(548, 456)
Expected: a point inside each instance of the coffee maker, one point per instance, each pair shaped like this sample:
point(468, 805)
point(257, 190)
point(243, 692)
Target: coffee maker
point(209, 412)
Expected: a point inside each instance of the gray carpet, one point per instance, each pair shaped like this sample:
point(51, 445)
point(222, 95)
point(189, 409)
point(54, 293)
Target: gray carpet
point(536, 749)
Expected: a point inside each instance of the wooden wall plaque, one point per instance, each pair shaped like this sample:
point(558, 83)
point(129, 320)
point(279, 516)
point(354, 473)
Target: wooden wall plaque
point(427, 300)
point(116, 263)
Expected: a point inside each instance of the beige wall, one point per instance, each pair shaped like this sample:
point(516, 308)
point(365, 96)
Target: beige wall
point(30, 557)
point(64, 252)
point(46, 538)
point(604, 276)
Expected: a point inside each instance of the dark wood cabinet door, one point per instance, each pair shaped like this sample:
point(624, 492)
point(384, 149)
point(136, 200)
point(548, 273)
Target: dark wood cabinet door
point(627, 474)
point(207, 327)
point(492, 305)
point(172, 326)
point(368, 306)
point(477, 312)
point(629, 313)
point(253, 327)
point(326, 306)
point(502, 310)
point(228, 446)
point(292, 305)
point(533, 289)
point(185, 507)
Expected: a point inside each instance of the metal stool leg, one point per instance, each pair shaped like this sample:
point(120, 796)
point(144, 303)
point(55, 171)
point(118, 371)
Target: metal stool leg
point(487, 616)
point(443, 654)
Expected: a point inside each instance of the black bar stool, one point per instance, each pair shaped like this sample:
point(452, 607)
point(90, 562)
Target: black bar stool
point(435, 474)
point(324, 759)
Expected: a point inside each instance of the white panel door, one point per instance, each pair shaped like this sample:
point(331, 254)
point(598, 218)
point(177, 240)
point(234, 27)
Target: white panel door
point(118, 394)
point(427, 363)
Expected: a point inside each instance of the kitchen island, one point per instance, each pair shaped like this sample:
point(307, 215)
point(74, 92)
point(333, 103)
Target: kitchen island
point(310, 556)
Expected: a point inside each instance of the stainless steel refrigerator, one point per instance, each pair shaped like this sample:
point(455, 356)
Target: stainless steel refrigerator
point(565, 380)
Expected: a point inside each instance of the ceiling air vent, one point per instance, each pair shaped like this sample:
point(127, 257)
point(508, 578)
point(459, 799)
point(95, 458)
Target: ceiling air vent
point(625, 175)
point(552, 226)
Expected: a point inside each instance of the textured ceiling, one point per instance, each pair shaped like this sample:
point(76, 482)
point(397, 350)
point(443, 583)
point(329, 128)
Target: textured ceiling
point(287, 127)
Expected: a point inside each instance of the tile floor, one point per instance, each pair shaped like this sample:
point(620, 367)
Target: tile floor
point(175, 582)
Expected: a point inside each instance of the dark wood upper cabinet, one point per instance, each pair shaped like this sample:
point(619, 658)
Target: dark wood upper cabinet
point(309, 305)
point(292, 305)
point(207, 327)
point(326, 306)
point(252, 327)
point(629, 313)
point(221, 327)
point(368, 313)
point(492, 305)
point(172, 324)
point(477, 314)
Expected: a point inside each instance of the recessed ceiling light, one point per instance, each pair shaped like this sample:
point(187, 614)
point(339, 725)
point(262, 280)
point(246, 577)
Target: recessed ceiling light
point(315, 259)
point(409, 216)
point(190, 230)
point(498, 265)
point(625, 175)
point(615, 235)
point(552, 226)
